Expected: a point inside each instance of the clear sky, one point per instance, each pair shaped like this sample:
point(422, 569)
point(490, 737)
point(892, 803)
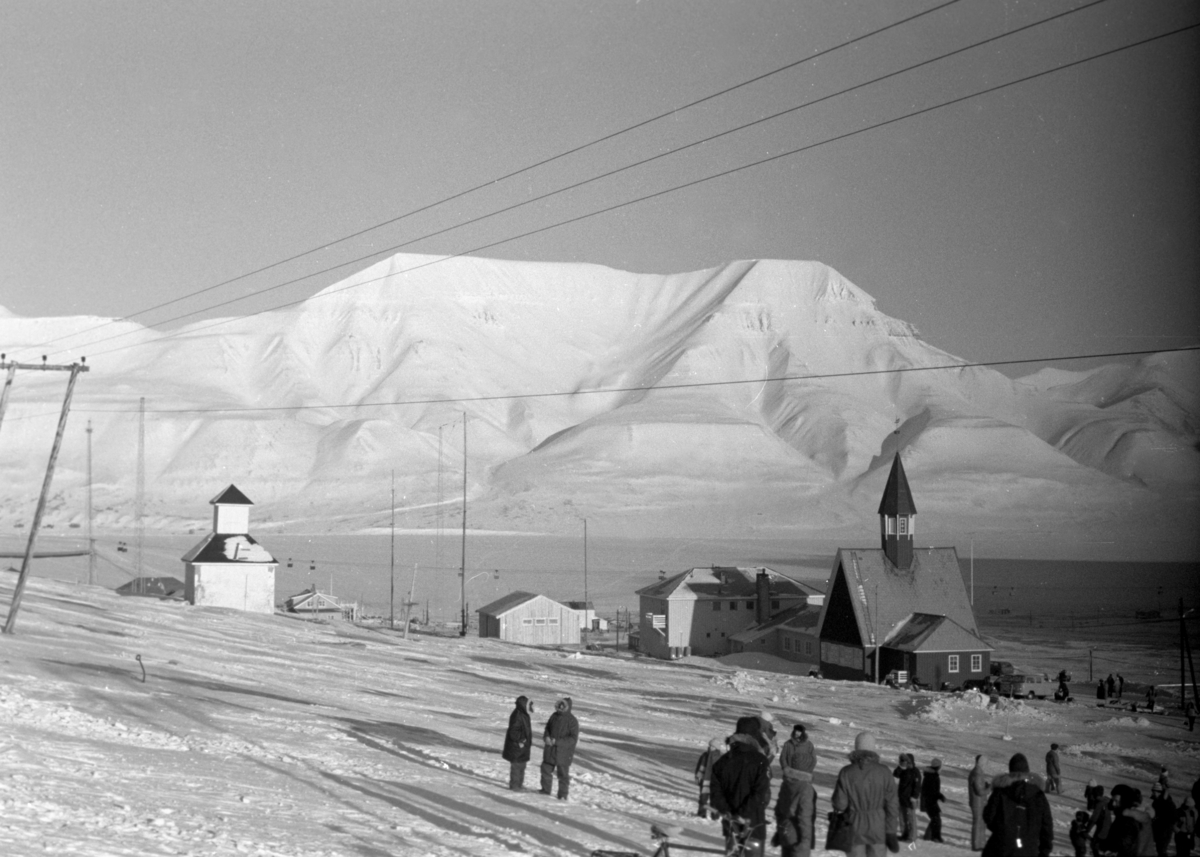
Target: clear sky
point(152, 149)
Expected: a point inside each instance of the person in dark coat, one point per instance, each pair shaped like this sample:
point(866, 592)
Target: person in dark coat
point(1110, 684)
point(866, 789)
point(908, 790)
point(1092, 793)
point(1163, 824)
point(1120, 685)
point(1078, 833)
point(1100, 824)
point(931, 800)
point(1018, 814)
point(1189, 714)
point(796, 814)
point(798, 752)
point(1053, 772)
point(979, 785)
point(1131, 834)
point(517, 741)
point(1185, 827)
point(1100, 694)
point(559, 740)
point(741, 784)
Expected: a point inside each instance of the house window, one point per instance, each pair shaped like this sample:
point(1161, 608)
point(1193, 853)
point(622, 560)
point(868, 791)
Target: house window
point(749, 605)
point(976, 663)
point(952, 664)
point(774, 603)
point(716, 606)
point(553, 620)
point(787, 644)
point(541, 620)
point(732, 605)
point(808, 647)
point(526, 621)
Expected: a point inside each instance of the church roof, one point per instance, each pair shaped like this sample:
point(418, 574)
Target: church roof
point(885, 597)
point(219, 547)
point(231, 496)
point(897, 496)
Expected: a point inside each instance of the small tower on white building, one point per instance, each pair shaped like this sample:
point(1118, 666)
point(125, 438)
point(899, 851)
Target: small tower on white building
point(229, 568)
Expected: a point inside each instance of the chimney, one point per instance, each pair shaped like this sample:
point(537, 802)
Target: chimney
point(762, 606)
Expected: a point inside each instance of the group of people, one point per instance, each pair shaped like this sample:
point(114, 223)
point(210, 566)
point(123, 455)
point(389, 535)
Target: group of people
point(559, 738)
point(1119, 823)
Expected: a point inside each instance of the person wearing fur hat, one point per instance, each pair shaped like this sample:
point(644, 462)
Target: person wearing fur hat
point(766, 732)
point(932, 800)
point(1163, 823)
point(517, 741)
point(798, 751)
point(796, 814)
point(1018, 814)
point(1131, 834)
point(865, 787)
point(741, 785)
point(703, 775)
point(559, 740)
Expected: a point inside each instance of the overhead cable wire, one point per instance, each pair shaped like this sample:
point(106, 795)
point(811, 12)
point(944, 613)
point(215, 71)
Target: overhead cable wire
point(673, 112)
point(687, 385)
point(599, 177)
point(666, 191)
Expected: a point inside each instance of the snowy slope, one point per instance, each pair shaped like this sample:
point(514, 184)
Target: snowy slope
point(519, 347)
point(268, 735)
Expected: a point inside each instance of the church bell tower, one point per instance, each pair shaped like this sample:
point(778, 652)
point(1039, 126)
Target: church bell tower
point(896, 514)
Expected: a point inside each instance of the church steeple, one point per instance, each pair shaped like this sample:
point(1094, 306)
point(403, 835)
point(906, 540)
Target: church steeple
point(896, 514)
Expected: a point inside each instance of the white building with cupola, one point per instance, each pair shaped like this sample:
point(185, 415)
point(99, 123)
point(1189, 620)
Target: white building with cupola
point(229, 568)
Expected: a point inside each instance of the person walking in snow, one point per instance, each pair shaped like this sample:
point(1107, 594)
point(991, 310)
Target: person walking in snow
point(1018, 814)
point(932, 799)
point(1078, 833)
point(1151, 696)
point(1185, 827)
point(1092, 793)
point(798, 751)
point(908, 790)
point(979, 786)
point(1100, 694)
point(1189, 714)
point(1120, 685)
point(796, 814)
point(741, 785)
point(703, 775)
point(558, 742)
point(1131, 834)
point(865, 788)
point(1053, 772)
point(1110, 685)
point(517, 742)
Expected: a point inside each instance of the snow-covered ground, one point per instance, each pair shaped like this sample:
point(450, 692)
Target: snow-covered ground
point(270, 735)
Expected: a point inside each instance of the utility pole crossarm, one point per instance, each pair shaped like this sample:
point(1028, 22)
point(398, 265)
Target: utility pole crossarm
point(46, 367)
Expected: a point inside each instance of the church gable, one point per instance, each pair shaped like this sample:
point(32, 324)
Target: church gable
point(840, 623)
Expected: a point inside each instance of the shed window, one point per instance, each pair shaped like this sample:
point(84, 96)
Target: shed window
point(976, 663)
point(541, 620)
point(952, 661)
point(526, 621)
point(553, 620)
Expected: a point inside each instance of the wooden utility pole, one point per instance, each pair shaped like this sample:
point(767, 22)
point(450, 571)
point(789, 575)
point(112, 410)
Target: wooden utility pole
point(410, 603)
point(91, 506)
point(140, 499)
point(587, 617)
point(75, 369)
point(392, 591)
point(462, 569)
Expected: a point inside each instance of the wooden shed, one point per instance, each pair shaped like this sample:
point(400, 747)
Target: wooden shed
point(534, 620)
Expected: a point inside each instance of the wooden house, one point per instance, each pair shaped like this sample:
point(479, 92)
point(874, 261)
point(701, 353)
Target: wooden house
point(907, 607)
point(533, 620)
point(229, 568)
point(698, 611)
point(311, 602)
point(588, 620)
point(791, 635)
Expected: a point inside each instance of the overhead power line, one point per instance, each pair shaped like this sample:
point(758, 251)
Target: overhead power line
point(672, 113)
point(654, 195)
point(641, 389)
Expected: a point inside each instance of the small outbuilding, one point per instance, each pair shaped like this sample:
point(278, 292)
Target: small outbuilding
point(229, 568)
point(312, 602)
point(534, 620)
point(153, 587)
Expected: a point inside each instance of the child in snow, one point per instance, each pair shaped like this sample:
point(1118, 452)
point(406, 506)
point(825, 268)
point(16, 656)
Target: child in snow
point(704, 766)
point(1079, 833)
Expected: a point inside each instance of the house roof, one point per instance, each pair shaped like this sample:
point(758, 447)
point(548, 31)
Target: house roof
point(220, 547)
point(802, 617)
point(721, 581)
point(231, 496)
point(885, 597)
point(897, 496)
point(925, 632)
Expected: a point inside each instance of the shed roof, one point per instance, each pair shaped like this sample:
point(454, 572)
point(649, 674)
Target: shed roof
point(721, 581)
point(513, 600)
point(925, 632)
point(220, 547)
point(231, 496)
point(884, 596)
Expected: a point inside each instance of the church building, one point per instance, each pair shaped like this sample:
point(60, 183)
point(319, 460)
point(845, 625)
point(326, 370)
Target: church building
point(898, 607)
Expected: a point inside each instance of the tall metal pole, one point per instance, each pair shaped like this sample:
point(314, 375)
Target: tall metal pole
point(587, 618)
point(140, 502)
point(90, 512)
point(462, 569)
point(19, 591)
point(392, 591)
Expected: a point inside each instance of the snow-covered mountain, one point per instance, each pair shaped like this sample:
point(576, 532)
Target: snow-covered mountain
point(685, 434)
